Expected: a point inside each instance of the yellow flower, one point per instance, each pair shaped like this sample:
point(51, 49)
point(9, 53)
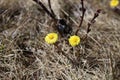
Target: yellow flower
point(51, 38)
point(74, 40)
point(114, 3)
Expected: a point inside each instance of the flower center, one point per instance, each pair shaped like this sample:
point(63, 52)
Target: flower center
point(51, 37)
point(75, 40)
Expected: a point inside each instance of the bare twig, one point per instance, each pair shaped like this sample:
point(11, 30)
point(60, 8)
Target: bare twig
point(49, 3)
point(47, 11)
point(93, 20)
point(69, 17)
point(82, 17)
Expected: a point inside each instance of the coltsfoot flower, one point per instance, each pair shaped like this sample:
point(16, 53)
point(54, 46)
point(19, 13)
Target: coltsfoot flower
point(51, 38)
point(114, 3)
point(74, 40)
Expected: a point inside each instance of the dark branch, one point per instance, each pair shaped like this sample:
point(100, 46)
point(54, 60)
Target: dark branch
point(93, 20)
point(82, 17)
point(46, 10)
point(49, 3)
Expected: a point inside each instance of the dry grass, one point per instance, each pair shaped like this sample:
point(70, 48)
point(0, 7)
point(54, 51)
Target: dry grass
point(24, 55)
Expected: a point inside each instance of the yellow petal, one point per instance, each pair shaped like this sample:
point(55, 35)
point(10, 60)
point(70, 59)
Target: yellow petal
point(74, 40)
point(51, 38)
point(114, 3)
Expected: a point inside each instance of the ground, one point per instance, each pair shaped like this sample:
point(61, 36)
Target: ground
point(24, 54)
